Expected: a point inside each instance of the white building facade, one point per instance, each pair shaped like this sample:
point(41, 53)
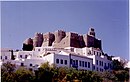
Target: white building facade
point(78, 58)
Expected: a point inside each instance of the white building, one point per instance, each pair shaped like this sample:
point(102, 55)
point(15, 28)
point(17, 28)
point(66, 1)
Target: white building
point(100, 61)
point(5, 55)
point(127, 65)
point(117, 58)
point(75, 60)
point(79, 58)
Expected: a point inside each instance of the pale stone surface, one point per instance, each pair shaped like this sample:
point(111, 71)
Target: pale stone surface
point(62, 39)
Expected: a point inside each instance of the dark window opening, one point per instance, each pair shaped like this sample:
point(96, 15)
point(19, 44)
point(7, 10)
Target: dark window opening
point(20, 56)
point(30, 64)
point(108, 65)
point(65, 62)
point(76, 62)
point(97, 62)
point(71, 61)
point(85, 64)
point(26, 56)
point(94, 52)
point(97, 68)
point(100, 63)
point(61, 61)
point(105, 64)
point(5, 57)
point(88, 64)
point(22, 64)
point(93, 67)
point(100, 54)
point(57, 61)
point(100, 69)
point(79, 63)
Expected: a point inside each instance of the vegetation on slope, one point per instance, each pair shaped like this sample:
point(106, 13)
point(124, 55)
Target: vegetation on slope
point(51, 73)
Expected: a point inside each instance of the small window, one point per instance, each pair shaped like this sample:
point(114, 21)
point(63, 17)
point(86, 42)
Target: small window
point(97, 62)
point(65, 62)
point(88, 64)
point(94, 52)
point(105, 64)
point(97, 68)
point(1, 57)
point(108, 65)
point(57, 61)
point(30, 64)
point(22, 64)
point(100, 63)
point(5, 57)
point(100, 69)
point(26, 56)
point(79, 63)
point(20, 56)
point(100, 54)
point(71, 61)
point(85, 64)
point(38, 49)
point(93, 67)
point(76, 62)
point(61, 61)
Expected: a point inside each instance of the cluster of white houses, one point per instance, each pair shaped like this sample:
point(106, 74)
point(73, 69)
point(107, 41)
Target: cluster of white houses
point(87, 57)
point(79, 58)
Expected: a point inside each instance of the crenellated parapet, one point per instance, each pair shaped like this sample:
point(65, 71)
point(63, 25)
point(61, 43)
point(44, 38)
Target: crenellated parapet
point(38, 39)
point(91, 40)
point(62, 39)
point(59, 35)
point(48, 39)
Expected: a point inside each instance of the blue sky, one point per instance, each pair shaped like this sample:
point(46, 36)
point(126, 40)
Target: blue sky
point(109, 18)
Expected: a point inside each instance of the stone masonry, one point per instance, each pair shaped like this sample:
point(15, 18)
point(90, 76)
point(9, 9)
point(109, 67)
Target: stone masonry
point(62, 39)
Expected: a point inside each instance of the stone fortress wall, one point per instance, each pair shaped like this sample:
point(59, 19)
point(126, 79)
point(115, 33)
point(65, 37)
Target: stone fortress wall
point(62, 39)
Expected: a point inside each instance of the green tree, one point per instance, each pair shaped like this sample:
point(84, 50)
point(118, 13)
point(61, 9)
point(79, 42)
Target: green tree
point(122, 75)
point(72, 74)
point(7, 72)
point(24, 75)
point(116, 65)
point(89, 76)
point(108, 76)
point(44, 73)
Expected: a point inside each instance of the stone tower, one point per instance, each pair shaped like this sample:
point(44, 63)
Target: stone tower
point(91, 32)
point(28, 44)
point(38, 39)
point(62, 39)
point(48, 39)
point(91, 40)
